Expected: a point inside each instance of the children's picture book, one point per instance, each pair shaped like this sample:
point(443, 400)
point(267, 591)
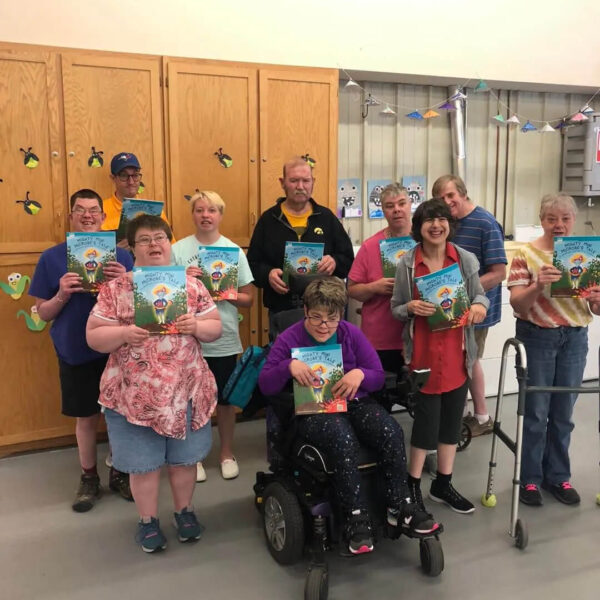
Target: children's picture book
point(446, 290)
point(159, 297)
point(327, 365)
point(392, 250)
point(349, 201)
point(133, 208)
point(302, 258)
point(87, 253)
point(374, 189)
point(219, 266)
point(579, 260)
point(417, 189)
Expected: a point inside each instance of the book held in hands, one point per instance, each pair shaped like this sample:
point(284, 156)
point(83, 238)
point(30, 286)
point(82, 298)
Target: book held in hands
point(88, 253)
point(302, 258)
point(132, 208)
point(219, 266)
point(392, 250)
point(578, 258)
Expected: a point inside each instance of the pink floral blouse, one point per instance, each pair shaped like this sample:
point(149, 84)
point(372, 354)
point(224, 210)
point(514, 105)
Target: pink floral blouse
point(151, 384)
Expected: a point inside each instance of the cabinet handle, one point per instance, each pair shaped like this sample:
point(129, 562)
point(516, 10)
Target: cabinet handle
point(252, 160)
point(54, 153)
point(253, 331)
point(71, 154)
point(264, 160)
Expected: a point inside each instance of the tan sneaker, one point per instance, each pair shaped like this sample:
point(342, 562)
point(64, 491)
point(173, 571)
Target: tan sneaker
point(229, 468)
point(477, 428)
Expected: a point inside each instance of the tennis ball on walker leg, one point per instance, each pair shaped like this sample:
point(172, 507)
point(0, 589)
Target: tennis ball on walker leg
point(598, 499)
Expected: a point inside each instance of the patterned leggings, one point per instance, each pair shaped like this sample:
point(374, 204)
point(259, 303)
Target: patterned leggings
point(340, 436)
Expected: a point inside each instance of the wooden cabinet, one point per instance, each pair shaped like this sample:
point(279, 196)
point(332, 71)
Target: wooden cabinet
point(114, 105)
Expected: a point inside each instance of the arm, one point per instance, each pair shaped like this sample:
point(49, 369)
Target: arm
point(68, 284)
point(368, 362)
point(402, 293)
point(365, 291)
point(275, 373)
point(107, 336)
point(205, 327)
point(245, 297)
point(256, 256)
point(526, 289)
point(494, 275)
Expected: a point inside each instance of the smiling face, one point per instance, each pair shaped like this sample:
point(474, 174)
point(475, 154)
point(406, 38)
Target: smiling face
point(435, 231)
point(458, 203)
point(152, 248)
point(298, 186)
point(206, 216)
point(396, 210)
point(86, 215)
point(320, 324)
point(557, 221)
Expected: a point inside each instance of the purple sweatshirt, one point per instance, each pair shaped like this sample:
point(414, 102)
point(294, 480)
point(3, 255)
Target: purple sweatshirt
point(357, 353)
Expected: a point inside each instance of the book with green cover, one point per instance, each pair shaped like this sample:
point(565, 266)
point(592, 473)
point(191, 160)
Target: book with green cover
point(578, 257)
point(392, 250)
point(302, 258)
point(87, 253)
point(159, 297)
point(327, 365)
point(445, 289)
point(219, 266)
point(132, 208)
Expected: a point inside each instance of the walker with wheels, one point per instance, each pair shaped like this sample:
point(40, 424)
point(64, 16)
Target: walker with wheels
point(518, 528)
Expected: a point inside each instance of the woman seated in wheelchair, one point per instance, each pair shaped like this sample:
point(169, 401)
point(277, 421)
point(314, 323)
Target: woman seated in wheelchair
point(339, 435)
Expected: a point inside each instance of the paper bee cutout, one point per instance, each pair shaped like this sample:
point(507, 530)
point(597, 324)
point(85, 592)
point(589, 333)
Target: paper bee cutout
point(31, 206)
point(95, 161)
point(225, 160)
point(188, 197)
point(309, 159)
point(31, 161)
point(141, 187)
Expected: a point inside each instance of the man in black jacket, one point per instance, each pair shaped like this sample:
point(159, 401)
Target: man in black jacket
point(295, 218)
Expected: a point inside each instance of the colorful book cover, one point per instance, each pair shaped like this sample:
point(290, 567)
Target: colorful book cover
point(349, 204)
point(87, 253)
point(374, 189)
point(417, 189)
point(219, 266)
point(446, 290)
point(327, 364)
point(133, 208)
point(159, 297)
point(579, 260)
point(392, 250)
point(302, 258)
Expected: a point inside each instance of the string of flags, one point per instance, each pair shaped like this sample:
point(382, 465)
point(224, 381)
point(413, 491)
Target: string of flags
point(449, 104)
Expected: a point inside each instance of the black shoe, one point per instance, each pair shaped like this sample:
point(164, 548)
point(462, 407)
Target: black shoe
point(450, 497)
point(530, 494)
point(564, 492)
point(416, 497)
point(119, 482)
point(88, 492)
point(412, 520)
point(358, 532)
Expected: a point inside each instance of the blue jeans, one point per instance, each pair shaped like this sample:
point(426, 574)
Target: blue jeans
point(555, 357)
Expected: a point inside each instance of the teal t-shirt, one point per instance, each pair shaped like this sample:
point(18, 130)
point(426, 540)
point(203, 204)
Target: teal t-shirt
point(185, 252)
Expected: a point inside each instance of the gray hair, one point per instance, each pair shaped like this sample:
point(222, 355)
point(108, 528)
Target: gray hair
point(393, 189)
point(560, 200)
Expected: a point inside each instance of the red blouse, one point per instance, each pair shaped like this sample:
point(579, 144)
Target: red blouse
point(441, 351)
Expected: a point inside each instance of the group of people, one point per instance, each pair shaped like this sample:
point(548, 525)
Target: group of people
point(158, 392)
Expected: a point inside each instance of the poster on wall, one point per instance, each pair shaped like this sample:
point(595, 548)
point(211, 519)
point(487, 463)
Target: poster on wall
point(417, 189)
point(374, 189)
point(349, 198)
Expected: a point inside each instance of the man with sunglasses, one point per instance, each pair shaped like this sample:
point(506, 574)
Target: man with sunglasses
point(60, 298)
point(126, 175)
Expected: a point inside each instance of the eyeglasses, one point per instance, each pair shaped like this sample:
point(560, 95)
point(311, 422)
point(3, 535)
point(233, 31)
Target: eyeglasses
point(146, 240)
point(317, 322)
point(94, 211)
point(125, 177)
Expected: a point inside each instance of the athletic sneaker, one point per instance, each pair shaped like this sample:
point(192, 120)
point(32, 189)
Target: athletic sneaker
point(149, 536)
point(530, 494)
point(88, 492)
point(119, 482)
point(412, 520)
point(564, 492)
point(478, 428)
point(451, 498)
point(188, 528)
point(358, 532)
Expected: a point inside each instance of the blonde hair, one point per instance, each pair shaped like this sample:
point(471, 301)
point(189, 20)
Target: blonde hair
point(297, 161)
point(212, 198)
point(441, 182)
point(328, 293)
point(559, 200)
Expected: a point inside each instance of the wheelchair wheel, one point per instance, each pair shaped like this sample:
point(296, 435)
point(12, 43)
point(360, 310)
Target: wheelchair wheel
point(466, 435)
point(283, 524)
point(432, 556)
point(317, 584)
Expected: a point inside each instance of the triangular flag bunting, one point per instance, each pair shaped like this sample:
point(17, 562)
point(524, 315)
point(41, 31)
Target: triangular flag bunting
point(457, 96)
point(547, 128)
point(586, 109)
point(528, 127)
point(578, 118)
point(388, 110)
point(514, 120)
point(447, 106)
point(561, 125)
point(415, 115)
point(499, 119)
point(430, 114)
point(482, 86)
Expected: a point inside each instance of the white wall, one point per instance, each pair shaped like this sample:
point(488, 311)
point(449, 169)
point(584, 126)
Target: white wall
point(540, 41)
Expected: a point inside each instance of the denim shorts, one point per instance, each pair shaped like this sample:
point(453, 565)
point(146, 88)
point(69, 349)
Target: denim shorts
point(138, 449)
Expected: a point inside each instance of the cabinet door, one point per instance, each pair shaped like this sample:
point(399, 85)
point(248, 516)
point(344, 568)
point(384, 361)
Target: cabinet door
point(30, 119)
point(212, 109)
point(298, 115)
point(113, 104)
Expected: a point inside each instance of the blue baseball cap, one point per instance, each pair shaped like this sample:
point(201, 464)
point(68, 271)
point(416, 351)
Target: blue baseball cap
point(122, 161)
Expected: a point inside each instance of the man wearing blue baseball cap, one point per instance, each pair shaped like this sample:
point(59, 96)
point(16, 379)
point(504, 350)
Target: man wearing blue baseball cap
point(125, 171)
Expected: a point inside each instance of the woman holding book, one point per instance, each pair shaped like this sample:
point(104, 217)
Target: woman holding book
point(554, 333)
point(157, 390)
point(221, 355)
point(448, 353)
point(340, 434)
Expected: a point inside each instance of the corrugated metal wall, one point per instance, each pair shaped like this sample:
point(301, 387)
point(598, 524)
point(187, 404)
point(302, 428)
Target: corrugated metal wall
point(507, 171)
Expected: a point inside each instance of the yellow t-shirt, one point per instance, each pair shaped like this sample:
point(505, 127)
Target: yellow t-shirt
point(112, 208)
point(298, 223)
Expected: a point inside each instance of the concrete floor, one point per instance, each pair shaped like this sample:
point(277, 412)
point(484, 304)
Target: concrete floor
point(50, 552)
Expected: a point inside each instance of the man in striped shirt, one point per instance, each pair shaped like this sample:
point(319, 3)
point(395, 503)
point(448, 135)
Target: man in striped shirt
point(478, 232)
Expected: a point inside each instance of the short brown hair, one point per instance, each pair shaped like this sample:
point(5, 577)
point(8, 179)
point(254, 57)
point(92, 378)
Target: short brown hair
point(328, 293)
point(441, 182)
point(86, 194)
point(431, 209)
point(151, 222)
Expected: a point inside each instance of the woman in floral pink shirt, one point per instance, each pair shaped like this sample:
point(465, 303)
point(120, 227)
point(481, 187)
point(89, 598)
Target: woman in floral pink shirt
point(158, 391)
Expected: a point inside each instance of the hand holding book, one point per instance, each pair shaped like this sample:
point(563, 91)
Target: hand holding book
point(348, 385)
point(302, 373)
point(420, 308)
